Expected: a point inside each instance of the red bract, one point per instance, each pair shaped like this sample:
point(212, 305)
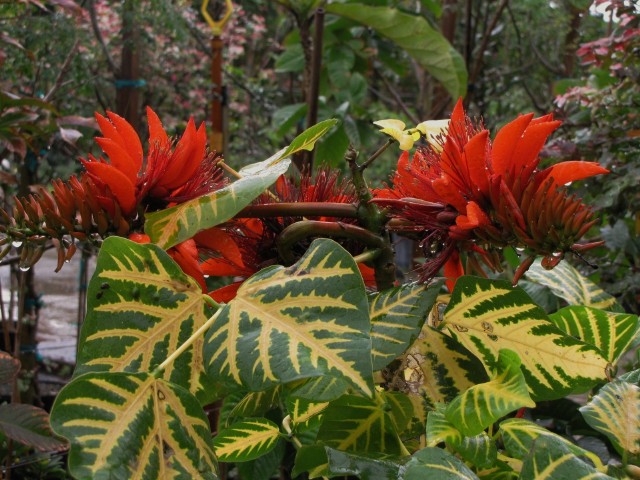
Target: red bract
point(172, 172)
point(477, 195)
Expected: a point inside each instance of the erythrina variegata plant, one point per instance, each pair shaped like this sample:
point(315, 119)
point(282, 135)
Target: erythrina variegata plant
point(312, 356)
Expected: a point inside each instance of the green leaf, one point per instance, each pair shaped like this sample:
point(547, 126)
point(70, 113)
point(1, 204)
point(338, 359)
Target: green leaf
point(439, 429)
point(500, 471)
point(29, 426)
point(286, 117)
point(519, 437)
point(311, 459)
point(308, 320)
point(265, 467)
point(481, 405)
point(489, 315)
point(141, 307)
point(321, 389)
point(567, 283)
point(366, 467)
point(357, 424)
point(303, 411)
point(132, 425)
point(332, 148)
point(9, 368)
point(397, 315)
point(438, 368)
point(480, 451)
point(291, 60)
point(413, 34)
point(436, 464)
point(551, 459)
point(177, 224)
point(246, 440)
point(611, 333)
point(615, 411)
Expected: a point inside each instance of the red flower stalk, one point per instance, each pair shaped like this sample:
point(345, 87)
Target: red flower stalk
point(172, 172)
point(477, 195)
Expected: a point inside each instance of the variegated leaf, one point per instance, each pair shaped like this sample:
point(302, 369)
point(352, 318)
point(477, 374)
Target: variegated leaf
point(519, 435)
point(437, 368)
point(365, 466)
point(568, 283)
point(439, 429)
point(480, 450)
point(9, 367)
point(480, 406)
point(489, 315)
point(256, 403)
point(141, 307)
point(177, 224)
point(357, 424)
point(302, 411)
point(28, 425)
point(550, 459)
point(132, 425)
point(285, 324)
point(615, 411)
point(499, 471)
point(246, 440)
point(611, 333)
point(396, 318)
point(322, 389)
point(171, 226)
point(435, 463)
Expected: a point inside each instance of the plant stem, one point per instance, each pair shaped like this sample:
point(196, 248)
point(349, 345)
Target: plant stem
point(205, 326)
point(312, 228)
point(300, 209)
point(211, 302)
point(229, 170)
point(367, 256)
point(379, 152)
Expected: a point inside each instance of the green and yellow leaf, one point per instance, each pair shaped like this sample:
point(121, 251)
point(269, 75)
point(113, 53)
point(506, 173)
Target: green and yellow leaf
point(246, 440)
point(396, 318)
point(568, 283)
point(519, 435)
point(615, 411)
point(435, 463)
point(142, 307)
point(437, 368)
point(174, 225)
point(439, 429)
point(358, 424)
point(480, 450)
point(132, 425)
point(365, 466)
point(480, 406)
point(550, 459)
point(177, 224)
point(321, 389)
point(611, 333)
point(303, 411)
point(256, 403)
point(285, 324)
point(488, 315)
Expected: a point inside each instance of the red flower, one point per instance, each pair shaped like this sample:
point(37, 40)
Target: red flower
point(171, 173)
point(477, 195)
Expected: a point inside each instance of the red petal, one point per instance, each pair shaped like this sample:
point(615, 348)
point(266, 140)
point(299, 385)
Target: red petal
point(119, 158)
point(157, 135)
point(475, 156)
point(474, 218)
point(223, 243)
point(226, 294)
point(457, 115)
point(140, 238)
point(448, 193)
point(505, 144)
point(186, 255)
point(453, 270)
point(572, 171)
point(180, 155)
point(368, 275)
point(529, 147)
point(108, 129)
point(130, 137)
point(120, 186)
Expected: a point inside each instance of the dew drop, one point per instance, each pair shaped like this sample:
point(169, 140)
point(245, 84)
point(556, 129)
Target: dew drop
point(17, 243)
point(25, 268)
point(520, 250)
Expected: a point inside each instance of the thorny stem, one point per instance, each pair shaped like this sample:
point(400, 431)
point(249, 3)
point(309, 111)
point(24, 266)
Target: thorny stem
point(300, 209)
point(373, 157)
point(370, 216)
point(311, 228)
point(205, 326)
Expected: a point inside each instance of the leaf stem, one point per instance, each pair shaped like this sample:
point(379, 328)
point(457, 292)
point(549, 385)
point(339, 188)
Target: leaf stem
point(211, 302)
point(373, 157)
point(367, 256)
point(229, 170)
point(205, 326)
point(300, 209)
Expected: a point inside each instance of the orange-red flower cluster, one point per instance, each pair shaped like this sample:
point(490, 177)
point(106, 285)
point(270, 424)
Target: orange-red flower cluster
point(171, 172)
point(477, 195)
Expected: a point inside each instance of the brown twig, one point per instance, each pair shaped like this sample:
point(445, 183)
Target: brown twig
point(96, 31)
